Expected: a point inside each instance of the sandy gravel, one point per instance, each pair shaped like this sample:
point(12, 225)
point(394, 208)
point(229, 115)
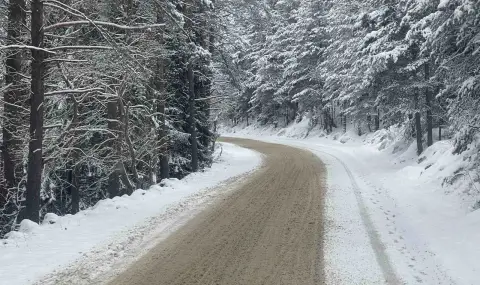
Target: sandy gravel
point(268, 231)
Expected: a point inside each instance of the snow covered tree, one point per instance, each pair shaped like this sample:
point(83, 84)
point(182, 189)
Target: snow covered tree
point(104, 113)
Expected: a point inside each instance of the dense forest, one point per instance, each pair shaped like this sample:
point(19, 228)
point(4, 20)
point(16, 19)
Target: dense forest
point(100, 98)
point(376, 63)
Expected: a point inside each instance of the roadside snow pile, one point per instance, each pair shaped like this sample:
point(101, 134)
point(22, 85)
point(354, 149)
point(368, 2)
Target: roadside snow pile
point(438, 164)
point(455, 173)
point(36, 250)
point(300, 130)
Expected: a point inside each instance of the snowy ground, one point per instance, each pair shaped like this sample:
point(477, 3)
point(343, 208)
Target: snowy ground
point(89, 247)
point(389, 217)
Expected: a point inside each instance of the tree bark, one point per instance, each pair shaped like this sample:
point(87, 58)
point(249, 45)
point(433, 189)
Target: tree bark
point(161, 102)
point(369, 123)
point(14, 97)
point(191, 119)
point(131, 149)
point(113, 178)
point(74, 170)
point(72, 174)
point(163, 135)
point(428, 97)
point(377, 120)
point(35, 159)
point(215, 133)
point(418, 126)
point(440, 130)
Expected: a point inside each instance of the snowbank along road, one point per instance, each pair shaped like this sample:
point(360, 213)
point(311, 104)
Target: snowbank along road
point(268, 231)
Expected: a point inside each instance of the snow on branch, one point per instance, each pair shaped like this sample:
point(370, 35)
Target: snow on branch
point(72, 91)
point(100, 23)
point(25, 47)
point(80, 47)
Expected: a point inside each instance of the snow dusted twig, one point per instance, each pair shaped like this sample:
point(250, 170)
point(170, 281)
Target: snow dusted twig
point(66, 60)
point(26, 47)
point(105, 24)
point(72, 91)
point(81, 47)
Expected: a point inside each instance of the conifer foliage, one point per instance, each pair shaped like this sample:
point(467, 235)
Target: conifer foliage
point(375, 63)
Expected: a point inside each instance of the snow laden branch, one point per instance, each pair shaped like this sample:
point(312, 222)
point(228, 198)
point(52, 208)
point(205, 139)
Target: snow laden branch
point(81, 47)
point(26, 47)
point(104, 24)
point(52, 50)
point(72, 91)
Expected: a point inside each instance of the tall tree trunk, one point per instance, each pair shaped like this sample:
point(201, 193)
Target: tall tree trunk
point(287, 119)
point(369, 123)
point(215, 133)
point(74, 168)
point(131, 149)
point(73, 186)
point(14, 97)
point(428, 101)
point(377, 120)
point(164, 164)
point(35, 159)
point(440, 129)
point(418, 126)
point(191, 118)
point(162, 101)
point(113, 178)
point(120, 131)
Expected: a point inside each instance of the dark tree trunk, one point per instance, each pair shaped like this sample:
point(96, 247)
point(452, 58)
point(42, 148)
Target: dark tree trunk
point(418, 126)
point(15, 96)
point(192, 119)
point(113, 178)
point(74, 169)
point(369, 123)
point(326, 121)
point(120, 131)
point(164, 164)
point(73, 186)
point(215, 133)
point(428, 97)
point(162, 100)
point(440, 130)
point(344, 119)
point(35, 160)
point(287, 118)
point(377, 120)
point(131, 149)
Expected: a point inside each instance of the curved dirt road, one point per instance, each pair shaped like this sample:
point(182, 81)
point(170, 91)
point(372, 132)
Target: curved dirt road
point(268, 231)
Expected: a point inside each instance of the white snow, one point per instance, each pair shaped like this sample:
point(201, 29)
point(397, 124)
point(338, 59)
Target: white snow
point(96, 242)
point(443, 4)
point(418, 215)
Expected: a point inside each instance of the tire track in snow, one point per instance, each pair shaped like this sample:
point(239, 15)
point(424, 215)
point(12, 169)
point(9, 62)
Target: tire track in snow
point(378, 247)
